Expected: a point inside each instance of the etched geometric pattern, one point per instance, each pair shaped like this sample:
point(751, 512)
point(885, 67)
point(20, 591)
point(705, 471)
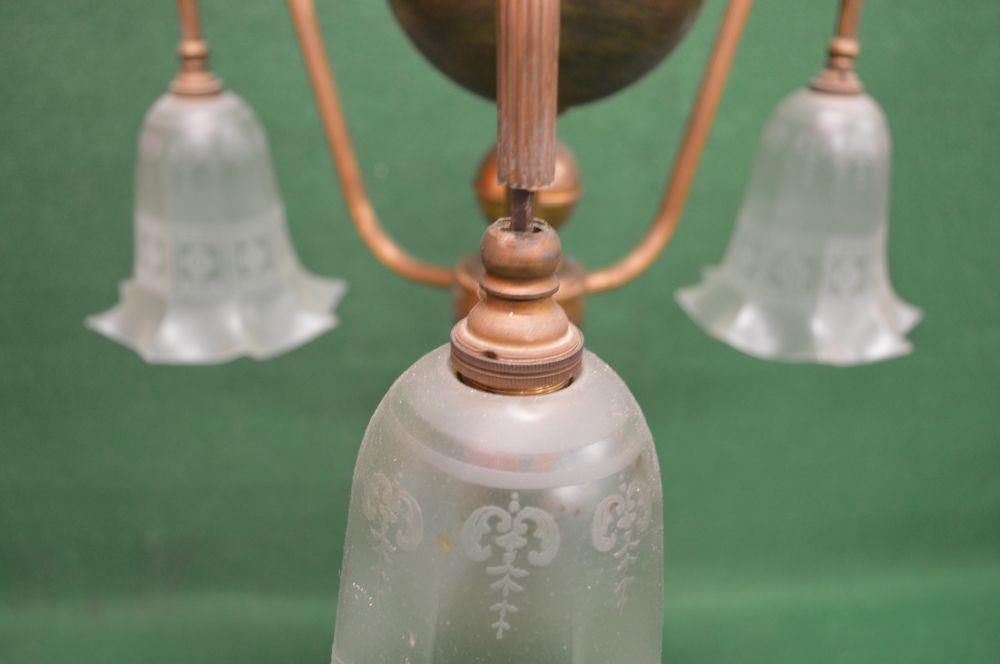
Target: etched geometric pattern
point(151, 256)
point(509, 528)
point(397, 523)
point(619, 520)
point(194, 262)
point(779, 265)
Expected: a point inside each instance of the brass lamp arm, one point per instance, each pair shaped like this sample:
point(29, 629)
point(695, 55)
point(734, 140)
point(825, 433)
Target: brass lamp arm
point(359, 206)
point(187, 13)
point(847, 21)
point(686, 163)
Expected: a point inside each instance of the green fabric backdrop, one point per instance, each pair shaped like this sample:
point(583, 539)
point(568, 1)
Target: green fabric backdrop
point(165, 514)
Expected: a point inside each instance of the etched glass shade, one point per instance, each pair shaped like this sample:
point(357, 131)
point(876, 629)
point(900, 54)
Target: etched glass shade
point(805, 277)
point(215, 276)
point(503, 529)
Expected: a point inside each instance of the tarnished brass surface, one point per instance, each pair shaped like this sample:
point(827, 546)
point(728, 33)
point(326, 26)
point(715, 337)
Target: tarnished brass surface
point(527, 74)
point(571, 295)
point(605, 45)
point(555, 203)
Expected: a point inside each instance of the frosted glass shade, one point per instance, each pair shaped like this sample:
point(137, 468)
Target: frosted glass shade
point(805, 277)
point(503, 529)
point(215, 275)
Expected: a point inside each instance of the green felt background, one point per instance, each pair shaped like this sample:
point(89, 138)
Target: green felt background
point(165, 514)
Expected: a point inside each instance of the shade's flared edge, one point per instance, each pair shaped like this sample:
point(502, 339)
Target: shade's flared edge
point(105, 323)
point(908, 316)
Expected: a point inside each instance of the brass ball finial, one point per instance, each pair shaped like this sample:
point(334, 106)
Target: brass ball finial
point(555, 203)
point(517, 339)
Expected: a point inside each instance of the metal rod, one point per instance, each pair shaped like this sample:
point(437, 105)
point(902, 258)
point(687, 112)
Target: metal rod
point(338, 137)
point(522, 209)
point(686, 163)
point(187, 11)
point(850, 16)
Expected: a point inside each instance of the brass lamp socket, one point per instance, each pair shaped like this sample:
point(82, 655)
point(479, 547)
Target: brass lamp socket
point(194, 79)
point(517, 339)
point(839, 76)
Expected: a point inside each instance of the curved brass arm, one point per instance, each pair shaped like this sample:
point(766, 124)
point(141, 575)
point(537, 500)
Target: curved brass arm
point(187, 15)
point(393, 256)
point(686, 163)
point(847, 21)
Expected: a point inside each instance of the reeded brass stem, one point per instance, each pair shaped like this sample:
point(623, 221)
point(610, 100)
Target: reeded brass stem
point(527, 85)
point(686, 162)
point(527, 81)
point(362, 213)
point(194, 78)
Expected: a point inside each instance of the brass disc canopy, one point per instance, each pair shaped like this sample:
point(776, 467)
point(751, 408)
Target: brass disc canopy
point(517, 339)
point(604, 46)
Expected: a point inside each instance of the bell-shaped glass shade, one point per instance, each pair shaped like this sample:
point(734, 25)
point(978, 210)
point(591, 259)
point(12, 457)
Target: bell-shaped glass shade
point(495, 529)
point(215, 275)
point(805, 277)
